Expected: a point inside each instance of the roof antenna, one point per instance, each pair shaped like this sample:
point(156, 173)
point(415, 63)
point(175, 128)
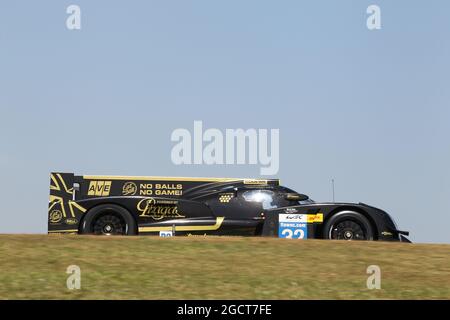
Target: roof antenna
point(332, 187)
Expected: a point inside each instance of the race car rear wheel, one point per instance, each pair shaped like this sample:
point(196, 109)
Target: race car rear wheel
point(109, 224)
point(348, 225)
point(108, 219)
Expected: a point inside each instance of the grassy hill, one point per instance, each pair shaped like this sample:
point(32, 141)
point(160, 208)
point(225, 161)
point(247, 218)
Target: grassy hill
point(34, 266)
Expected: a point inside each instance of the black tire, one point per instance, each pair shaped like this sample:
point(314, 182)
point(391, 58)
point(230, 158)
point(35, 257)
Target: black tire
point(348, 225)
point(108, 219)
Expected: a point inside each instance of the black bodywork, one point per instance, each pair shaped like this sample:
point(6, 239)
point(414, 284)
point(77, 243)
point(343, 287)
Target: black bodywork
point(198, 206)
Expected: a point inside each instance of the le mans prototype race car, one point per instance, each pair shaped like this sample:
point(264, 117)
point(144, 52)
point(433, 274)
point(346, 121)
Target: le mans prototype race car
point(117, 205)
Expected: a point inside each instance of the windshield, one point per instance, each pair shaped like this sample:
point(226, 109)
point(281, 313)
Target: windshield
point(272, 198)
point(308, 201)
point(265, 197)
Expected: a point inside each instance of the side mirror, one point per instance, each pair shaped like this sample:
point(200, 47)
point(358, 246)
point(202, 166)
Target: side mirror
point(296, 197)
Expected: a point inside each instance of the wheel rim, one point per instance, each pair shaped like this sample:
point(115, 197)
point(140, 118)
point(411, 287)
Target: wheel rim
point(109, 225)
point(348, 230)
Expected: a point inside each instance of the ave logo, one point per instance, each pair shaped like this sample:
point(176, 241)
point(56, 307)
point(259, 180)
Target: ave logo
point(99, 188)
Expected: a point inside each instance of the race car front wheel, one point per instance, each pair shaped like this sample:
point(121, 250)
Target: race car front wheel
point(108, 219)
point(348, 225)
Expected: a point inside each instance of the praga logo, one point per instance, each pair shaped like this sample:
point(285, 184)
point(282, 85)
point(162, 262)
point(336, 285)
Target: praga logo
point(55, 216)
point(150, 208)
point(129, 189)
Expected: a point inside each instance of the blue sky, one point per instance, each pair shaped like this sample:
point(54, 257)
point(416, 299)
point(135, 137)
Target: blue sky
point(367, 108)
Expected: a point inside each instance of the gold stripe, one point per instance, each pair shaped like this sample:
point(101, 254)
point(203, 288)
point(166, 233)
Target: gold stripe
point(55, 182)
point(57, 200)
point(64, 184)
point(61, 231)
point(181, 179)
point(216, 226)
point(76, 205)
point(52, 203)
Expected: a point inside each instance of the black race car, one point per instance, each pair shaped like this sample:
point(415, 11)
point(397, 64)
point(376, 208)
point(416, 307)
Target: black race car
point(169, 206)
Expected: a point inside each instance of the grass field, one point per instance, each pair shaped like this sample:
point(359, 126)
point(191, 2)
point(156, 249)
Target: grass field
point(34, 266)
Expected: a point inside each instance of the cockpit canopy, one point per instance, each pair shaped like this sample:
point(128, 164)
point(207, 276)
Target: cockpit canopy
point(268, 196)
point(278, 197)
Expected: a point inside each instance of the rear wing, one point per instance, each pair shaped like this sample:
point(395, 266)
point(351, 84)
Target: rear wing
point(66, 189)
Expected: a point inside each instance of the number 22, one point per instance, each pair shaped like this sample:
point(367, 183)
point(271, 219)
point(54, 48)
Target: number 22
point(297, 234)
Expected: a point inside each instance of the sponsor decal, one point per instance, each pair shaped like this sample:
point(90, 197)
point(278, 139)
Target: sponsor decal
point(293, 218)
point(149, 207)
point(226, 197)
point(315, 218)
point(386, 233)
point(293, 226)
point(291, 210)
point(297, 217)
point(99, 188)
point(129, 189)
point(160, 189)
point(55, 216)
point(71, 221)
point(255, 181)
point(165, 234)
point(292, 230)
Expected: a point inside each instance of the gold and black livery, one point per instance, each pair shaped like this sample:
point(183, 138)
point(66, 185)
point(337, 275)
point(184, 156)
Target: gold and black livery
point(176, 206)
